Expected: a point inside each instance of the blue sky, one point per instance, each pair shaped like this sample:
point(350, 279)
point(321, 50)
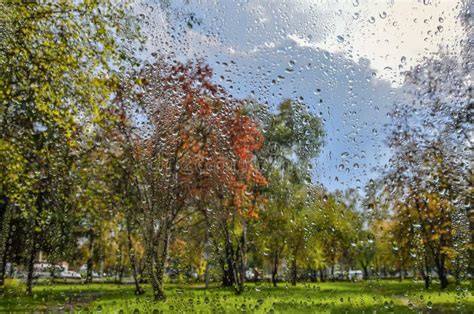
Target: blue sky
point(344, 58)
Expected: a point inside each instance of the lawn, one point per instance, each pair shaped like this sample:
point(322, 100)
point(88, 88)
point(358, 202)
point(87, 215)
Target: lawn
point(331, 297)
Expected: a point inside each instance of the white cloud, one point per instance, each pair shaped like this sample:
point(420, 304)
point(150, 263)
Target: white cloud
point(393, 35)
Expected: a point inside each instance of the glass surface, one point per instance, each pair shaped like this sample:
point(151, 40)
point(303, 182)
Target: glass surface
point(286, 156)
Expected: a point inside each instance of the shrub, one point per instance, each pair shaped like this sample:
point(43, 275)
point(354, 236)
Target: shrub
point(14, 286)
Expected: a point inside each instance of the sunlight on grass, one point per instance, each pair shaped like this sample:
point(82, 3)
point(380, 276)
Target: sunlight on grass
point(379, 296)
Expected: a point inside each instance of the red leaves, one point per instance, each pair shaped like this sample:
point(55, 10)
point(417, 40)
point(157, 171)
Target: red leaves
point(200, 126)
point(246, 141)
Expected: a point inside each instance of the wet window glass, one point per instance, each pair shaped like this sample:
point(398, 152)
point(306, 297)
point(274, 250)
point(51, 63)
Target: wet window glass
point(280, 156)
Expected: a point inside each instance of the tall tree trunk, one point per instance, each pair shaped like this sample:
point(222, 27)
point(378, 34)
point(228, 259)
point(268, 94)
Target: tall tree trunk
point(31, 264)
point(5, 214)
point(161, 266)
point(90, 259)
point(294, 272)
point(157, 262)
point(400, 272)
point(206, 254)
point(427, 280)
point(427, 272)
point(275, 270)
point(441, 270)
point(226, 273)
point(314, 275)
point(457, 271)
point(365, 271)
point(239, 265)
point(150, 256)
point(32, 245)
point(443, 278)
point(133, 262)
point(120, 274)
point(230, 273)
point(206, 275)
point(377, 268)
point(3, 266)
point(321, 275)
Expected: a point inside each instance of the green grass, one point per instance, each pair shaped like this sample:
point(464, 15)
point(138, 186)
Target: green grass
point(330, 297)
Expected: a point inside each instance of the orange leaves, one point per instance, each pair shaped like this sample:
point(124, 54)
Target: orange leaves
point(204, 107)
point(246, 141)
point(206, 146)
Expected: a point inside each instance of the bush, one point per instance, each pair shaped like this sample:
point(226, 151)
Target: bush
point(14, 286)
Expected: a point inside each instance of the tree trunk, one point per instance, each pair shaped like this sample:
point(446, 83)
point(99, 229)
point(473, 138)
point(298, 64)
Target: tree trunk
point(400, 272)
point(120, 274)
point(90, 261)
point(256, 275)
point(275, 270)
point(133, 263)
point(206, 254)
point(443, 278)
point(227, 277)
point(427, 277)
point(3, 266)
point(156, 264)
point(150, 266)
point(32, 246)
point(365, 270)
point(457, 271)
point(31, 266)
point(321, 275)
point(294, 272)
point(441, 270)
point(234, 260)
point(206, 275)
point(230, 274)
point(377, 268)
point(427, 273)
point(239, 265)
point(427, 281)
point(226, 272)
point(224, 264)
point(5, 213)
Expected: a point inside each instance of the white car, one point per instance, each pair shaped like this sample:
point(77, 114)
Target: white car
point(67, 274)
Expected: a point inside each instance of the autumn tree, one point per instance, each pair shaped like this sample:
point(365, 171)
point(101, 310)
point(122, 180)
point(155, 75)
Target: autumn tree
point(200, 149)
point(424, 181)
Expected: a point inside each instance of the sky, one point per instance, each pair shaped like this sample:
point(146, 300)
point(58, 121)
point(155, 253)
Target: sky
point(344, 59)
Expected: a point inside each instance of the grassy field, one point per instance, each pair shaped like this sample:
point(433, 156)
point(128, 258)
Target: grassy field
point(330, 297)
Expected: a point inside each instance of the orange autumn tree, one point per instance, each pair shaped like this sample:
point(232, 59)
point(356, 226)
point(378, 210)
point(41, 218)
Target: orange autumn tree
point(198, 153)
point(229, 222)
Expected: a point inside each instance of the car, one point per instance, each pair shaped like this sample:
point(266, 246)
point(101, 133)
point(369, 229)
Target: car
point(67, 274)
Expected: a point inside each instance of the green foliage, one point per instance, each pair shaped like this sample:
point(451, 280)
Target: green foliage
point(14, 287)
point(58, 63)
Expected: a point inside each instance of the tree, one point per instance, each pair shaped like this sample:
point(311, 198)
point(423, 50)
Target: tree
point(365, 251)
point(427, 195)
point(293, 137)
point(200, 149)
point(55, 61)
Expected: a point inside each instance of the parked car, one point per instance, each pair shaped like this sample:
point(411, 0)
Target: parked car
point(355, 275)
point(67, 274)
